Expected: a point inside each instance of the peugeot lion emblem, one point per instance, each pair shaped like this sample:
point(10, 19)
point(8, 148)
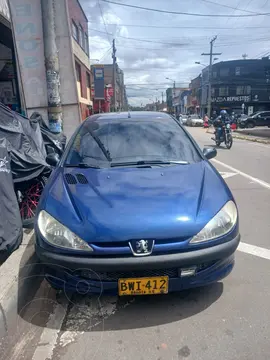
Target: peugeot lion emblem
point(141, 247)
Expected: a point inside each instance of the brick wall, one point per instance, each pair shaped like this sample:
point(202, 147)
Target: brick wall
point(77, 15)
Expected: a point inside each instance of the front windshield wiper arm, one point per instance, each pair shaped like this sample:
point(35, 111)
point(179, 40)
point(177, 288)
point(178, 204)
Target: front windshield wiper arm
point(149, 162)
point(101, 145)
point(82, 165)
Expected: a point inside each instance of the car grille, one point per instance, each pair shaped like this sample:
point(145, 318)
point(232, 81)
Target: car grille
point(119, 244)
point(114, 276)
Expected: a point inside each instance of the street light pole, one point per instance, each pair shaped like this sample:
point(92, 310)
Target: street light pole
point(209, 102)
point(173, 89)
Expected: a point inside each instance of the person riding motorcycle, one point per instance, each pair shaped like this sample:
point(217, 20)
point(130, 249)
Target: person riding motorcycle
point(219, 123)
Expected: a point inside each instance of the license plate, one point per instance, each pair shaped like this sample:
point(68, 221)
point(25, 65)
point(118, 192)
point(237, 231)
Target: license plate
point(143, 286)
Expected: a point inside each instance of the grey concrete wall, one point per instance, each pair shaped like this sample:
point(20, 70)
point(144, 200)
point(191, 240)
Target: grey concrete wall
point(68, 89)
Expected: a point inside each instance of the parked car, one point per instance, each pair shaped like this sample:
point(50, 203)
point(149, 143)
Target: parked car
point(194, 120)
point(134, 207)
point(184, 119)
point(259, 118)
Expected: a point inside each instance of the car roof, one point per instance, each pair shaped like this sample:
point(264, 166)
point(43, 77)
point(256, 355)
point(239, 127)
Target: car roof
point(134, 115)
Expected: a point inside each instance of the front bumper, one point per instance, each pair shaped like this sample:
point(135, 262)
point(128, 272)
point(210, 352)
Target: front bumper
point(64, 271)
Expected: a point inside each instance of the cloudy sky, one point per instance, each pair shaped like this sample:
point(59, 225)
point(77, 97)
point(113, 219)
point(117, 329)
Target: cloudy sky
point(153, 46)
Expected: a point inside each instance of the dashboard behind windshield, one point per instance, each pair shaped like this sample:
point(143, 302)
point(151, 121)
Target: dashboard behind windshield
point(99, 142)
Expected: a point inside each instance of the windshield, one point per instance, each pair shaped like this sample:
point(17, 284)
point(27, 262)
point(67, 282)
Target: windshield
point(102, 142)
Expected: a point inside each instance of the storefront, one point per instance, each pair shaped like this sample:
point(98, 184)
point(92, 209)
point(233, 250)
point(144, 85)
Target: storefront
point(247, 104)
point(9, 90)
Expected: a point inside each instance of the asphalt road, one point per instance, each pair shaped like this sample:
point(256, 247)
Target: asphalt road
point(228, 320)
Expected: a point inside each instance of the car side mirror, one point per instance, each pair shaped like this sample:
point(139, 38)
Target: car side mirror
point(53, 159)
point(209, 153)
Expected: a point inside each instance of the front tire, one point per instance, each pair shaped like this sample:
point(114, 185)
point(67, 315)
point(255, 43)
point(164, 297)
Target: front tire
point(250, 125)
point(229, 142)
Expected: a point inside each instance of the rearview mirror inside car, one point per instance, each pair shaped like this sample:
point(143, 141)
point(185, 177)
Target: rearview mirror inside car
point(209, 153)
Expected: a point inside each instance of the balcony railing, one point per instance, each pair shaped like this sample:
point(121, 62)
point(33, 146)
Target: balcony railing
point(4, 10)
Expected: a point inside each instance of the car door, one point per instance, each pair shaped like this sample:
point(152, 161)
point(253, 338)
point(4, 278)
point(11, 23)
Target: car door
point(267, 118)
point(261, 119)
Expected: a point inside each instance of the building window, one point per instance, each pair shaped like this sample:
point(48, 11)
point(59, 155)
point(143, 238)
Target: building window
point(213, 92)
point(237, 71)
point(86, 44)
point(81, 39)
point(78, 71)
point(223, 91)
point(75, 31)
point(243, 90)
point(224, 72)
point(214, 74)
point(79, 77)
point(88, 81)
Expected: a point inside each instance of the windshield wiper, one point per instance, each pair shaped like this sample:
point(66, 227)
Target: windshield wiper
point(82, 165)
point(101, 145)
point(149, 162)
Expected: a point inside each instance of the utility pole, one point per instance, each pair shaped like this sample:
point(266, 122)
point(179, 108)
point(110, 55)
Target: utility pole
point(114, 74)
point(211, 54)
point(55, 114)
point(162, 96)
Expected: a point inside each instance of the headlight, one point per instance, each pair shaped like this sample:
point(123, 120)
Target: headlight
point(221, 224)
point(59, 235)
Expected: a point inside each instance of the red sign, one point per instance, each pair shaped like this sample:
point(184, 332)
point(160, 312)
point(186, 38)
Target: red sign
point(110, 91)
point(92, 91)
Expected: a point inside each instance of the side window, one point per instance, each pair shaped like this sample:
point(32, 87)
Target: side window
point(224, 72)
point(223, 91)
point(75, 31)
point(237, 71)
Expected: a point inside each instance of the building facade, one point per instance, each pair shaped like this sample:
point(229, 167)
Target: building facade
point(9, 85)
point(194, 99)
point(238, 86)
point(120, 94)
point(80, 48)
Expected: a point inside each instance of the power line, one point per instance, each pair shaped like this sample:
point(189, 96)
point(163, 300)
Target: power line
point(143, 40)
point(183, 13)
point(229, 7)
point(106, 52)
point(101, 12)
point(179, 44)
point(186, 27)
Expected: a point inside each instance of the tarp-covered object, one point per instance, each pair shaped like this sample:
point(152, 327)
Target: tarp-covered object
point(28, 153)
point(11, 232)
point(53, 142)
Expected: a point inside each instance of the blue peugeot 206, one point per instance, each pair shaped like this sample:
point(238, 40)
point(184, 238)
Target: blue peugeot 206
point(134, 207)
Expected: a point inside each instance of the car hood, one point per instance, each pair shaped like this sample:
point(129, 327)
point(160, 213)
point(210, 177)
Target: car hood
point(119, 204)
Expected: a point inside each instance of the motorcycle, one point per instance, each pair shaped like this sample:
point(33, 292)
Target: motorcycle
point(223, 133)
point(29, 142)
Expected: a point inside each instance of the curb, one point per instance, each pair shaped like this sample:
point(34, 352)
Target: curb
point(258, 140)
point(247, 138)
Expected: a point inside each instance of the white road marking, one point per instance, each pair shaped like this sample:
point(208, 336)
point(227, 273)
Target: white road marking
point(256, 180)
point(226, 175)
point(254, 250)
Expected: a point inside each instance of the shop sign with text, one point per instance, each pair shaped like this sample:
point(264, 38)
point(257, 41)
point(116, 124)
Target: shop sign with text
point(222, 99)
